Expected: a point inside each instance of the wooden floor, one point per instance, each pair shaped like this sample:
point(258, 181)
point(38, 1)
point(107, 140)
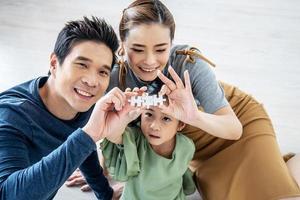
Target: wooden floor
point(255, 44)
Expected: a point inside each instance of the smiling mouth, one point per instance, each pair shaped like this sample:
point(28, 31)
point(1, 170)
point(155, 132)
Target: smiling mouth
point(83, 94)
point(148, 70)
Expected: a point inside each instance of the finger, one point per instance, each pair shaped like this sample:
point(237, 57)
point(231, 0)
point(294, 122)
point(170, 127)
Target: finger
point(116, 89)
point(170, 84)
point(164, 90)
point(130, 94)
point(121, 96)
point(139, 91)
point(127, 90)
point(75, 174)
point(144, 88)
point(136, 89)
point(73, 177)
point(112, 95)
point(133, 114)
point(187, 80)
point(76, 182)
point(117, 103)
point(165, 109)
point(176, 78)
point(86, 188)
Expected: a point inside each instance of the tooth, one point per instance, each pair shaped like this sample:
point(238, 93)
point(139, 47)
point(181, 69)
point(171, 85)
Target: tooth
point(83, 93)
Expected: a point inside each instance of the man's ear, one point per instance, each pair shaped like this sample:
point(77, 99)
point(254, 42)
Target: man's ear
point(180, 126)
point(53, 64)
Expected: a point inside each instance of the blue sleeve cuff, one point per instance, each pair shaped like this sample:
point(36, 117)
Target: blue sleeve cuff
point(84, 139)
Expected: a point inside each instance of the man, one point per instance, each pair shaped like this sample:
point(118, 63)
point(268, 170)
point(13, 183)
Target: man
point(41, 140)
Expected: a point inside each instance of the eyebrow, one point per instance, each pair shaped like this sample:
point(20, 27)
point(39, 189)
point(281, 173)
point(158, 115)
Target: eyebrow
point(157, 45)
point(82, 58)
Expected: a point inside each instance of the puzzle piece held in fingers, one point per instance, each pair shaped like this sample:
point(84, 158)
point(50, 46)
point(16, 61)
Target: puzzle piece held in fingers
point(146, 100)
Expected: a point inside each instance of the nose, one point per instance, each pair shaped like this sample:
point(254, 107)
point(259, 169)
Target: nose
point(91, 79)
point(155, 126)
point(150, 59)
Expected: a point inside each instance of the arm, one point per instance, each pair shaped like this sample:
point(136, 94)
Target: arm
point(188, 183)
point(122, 161)
point(115, 113)
point(93, 174)
point(223, 123)
point(18, 176)
point(111, 115)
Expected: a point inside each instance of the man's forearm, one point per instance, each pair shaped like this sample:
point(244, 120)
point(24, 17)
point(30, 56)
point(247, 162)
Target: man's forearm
point(94, 176)
point(44, 178)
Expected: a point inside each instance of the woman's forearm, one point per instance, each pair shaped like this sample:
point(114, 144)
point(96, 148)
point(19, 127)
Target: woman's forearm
point(223, 124)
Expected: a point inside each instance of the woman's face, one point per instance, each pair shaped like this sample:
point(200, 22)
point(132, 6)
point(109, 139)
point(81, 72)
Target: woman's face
point(147, 49)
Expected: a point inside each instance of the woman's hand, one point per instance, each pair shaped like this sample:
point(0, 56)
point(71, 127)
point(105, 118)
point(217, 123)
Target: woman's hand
point(182, 104)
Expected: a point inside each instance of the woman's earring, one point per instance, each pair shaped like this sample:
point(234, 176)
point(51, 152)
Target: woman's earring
point(121, 53)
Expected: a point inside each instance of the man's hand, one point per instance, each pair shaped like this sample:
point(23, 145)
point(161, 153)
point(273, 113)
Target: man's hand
point(111, 114)
point(118, 189)
point(77, 179)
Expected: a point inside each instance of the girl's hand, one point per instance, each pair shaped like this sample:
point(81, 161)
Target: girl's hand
point(182, 104)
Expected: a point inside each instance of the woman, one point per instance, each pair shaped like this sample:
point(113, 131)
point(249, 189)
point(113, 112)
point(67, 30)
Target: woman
point(237, 156)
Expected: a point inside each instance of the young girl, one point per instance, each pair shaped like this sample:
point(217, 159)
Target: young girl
point(152, 158)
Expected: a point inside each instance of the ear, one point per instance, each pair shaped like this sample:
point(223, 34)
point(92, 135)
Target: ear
point(53, 64)
point(180, 126)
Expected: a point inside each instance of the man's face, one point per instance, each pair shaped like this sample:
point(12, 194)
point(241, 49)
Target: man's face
point(83, 77)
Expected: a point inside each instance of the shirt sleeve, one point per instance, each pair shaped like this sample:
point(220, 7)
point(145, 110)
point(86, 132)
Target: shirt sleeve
point(93, 174)
point(21, 180)
point(122, 161)
point(207, 92)
point(206, 89)
point(188, 183)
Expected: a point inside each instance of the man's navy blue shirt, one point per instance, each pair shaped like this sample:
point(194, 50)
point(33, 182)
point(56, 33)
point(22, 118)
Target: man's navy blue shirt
point(38, 151)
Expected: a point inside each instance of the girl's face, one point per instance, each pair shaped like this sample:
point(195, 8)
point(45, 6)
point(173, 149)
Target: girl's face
point(147, 49)
point(159, 128)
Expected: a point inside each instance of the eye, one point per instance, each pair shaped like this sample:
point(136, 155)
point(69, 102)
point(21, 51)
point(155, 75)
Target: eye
point(160, 50)
point(148, 114)
point(166, 119)
point(104, 73)
point(137, 50)
point(81, 65)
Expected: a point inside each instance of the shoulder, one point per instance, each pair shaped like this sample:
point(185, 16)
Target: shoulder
point(185, 144)
point(185, 57)
point(134, 132)
point(17, 104)
point(15, 115)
